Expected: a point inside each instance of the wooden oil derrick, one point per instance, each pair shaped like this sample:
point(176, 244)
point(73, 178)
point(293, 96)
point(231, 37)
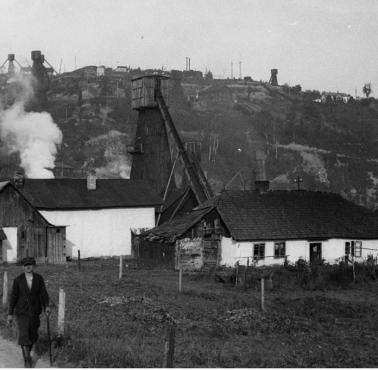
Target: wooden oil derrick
point(273, 77)
point(151, 151)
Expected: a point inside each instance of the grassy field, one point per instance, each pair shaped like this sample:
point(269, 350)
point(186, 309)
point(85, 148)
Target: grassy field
point(111, 323)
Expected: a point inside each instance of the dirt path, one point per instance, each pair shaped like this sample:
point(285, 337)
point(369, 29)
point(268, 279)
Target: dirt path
point(11, 357)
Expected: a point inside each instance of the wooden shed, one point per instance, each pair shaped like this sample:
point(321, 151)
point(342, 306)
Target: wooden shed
point(27, 232)
point(191, 241)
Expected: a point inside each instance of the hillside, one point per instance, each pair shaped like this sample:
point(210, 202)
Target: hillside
point(241, 126)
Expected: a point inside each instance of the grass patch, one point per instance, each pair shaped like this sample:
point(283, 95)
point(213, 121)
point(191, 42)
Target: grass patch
point(111, 323)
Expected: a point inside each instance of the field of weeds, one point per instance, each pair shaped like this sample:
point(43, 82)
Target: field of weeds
point(111, 323)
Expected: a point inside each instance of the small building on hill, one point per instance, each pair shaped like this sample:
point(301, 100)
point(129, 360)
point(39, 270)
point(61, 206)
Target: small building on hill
point(96, 215)
point(265, 227)
point(100, 71)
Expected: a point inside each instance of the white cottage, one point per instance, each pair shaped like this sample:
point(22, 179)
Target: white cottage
point(269, 227)
point(98, 213)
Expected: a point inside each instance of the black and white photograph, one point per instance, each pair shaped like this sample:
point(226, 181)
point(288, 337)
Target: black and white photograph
point(189, 183)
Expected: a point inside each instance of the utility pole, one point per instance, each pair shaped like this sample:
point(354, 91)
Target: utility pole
point(232, 70)
point(240, 70)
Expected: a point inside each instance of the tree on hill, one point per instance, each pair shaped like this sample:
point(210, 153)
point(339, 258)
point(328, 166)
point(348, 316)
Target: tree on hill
point(208, 76)
point(367, 89)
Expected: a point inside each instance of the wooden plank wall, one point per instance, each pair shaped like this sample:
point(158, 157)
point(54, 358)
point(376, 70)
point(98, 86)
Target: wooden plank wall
point(31, 226)
point(210, 252)
point(155, 253)
point(56, 250)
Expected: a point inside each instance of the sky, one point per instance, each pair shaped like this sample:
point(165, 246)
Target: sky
point(326, 45)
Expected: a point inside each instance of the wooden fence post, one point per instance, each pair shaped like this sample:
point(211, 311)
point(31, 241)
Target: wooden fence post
point(120, 268)
point(270, 281)
point(180, 268)
point(236, 273)
point(5, 289)
point(61, 311)
point(354, 271)
point(180, 278)
point(262, 295)
point(169, 347)
point(245, 274)
point(78, 260)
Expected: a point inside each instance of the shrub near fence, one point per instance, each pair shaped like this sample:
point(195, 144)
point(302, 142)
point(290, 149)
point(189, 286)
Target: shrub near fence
point(302, 274)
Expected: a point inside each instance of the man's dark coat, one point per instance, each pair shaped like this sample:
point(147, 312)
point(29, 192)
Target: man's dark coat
point(26, 302)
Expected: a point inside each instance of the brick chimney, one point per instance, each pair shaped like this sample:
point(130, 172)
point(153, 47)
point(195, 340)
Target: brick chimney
point(91, 180)
point(261, 183)
point(18, 179)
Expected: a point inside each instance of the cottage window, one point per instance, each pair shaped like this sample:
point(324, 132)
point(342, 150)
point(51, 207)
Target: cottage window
point(347, 248)
point(357, 248)
point(259, 251)
point(354, 248)
point(279, 249)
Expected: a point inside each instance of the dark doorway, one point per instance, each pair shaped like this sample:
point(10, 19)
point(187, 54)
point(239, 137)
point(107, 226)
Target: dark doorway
point(315, 252)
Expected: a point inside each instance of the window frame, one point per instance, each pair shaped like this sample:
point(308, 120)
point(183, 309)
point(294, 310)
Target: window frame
point(281, 246)
point(260, 248)
point(355, 248)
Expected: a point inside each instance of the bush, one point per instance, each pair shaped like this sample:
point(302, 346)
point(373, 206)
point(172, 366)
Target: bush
point(308, 276)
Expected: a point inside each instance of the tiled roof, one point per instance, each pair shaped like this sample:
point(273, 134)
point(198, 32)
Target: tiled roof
point(73, 194)
point(281, 215)
point(293, 215)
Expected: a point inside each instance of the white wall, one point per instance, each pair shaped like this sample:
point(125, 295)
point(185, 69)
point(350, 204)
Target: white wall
point(104, 232)
point(10, 244)
point(332, 251)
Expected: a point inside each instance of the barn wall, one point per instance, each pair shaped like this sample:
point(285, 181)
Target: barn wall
point(31, 235)
point(332, 251)
point(104, 232)
point(56, 251)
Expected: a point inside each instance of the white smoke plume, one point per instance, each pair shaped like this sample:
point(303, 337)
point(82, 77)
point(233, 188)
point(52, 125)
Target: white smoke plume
point(22, 88)
point(34, 136)
point(117, 166)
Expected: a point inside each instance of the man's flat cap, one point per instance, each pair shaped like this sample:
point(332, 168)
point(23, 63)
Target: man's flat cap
point(28, 261)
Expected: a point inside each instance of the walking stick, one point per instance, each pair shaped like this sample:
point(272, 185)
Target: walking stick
point(49, 338)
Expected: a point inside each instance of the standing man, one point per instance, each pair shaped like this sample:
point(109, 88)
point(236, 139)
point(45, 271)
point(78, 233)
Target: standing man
point(29, 296)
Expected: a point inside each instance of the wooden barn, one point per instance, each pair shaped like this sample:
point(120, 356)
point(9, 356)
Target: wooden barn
point(26, 232)
point(97, 216)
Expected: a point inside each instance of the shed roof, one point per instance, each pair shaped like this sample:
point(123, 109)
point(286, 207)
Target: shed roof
point(73, 194)
point(178, 226)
